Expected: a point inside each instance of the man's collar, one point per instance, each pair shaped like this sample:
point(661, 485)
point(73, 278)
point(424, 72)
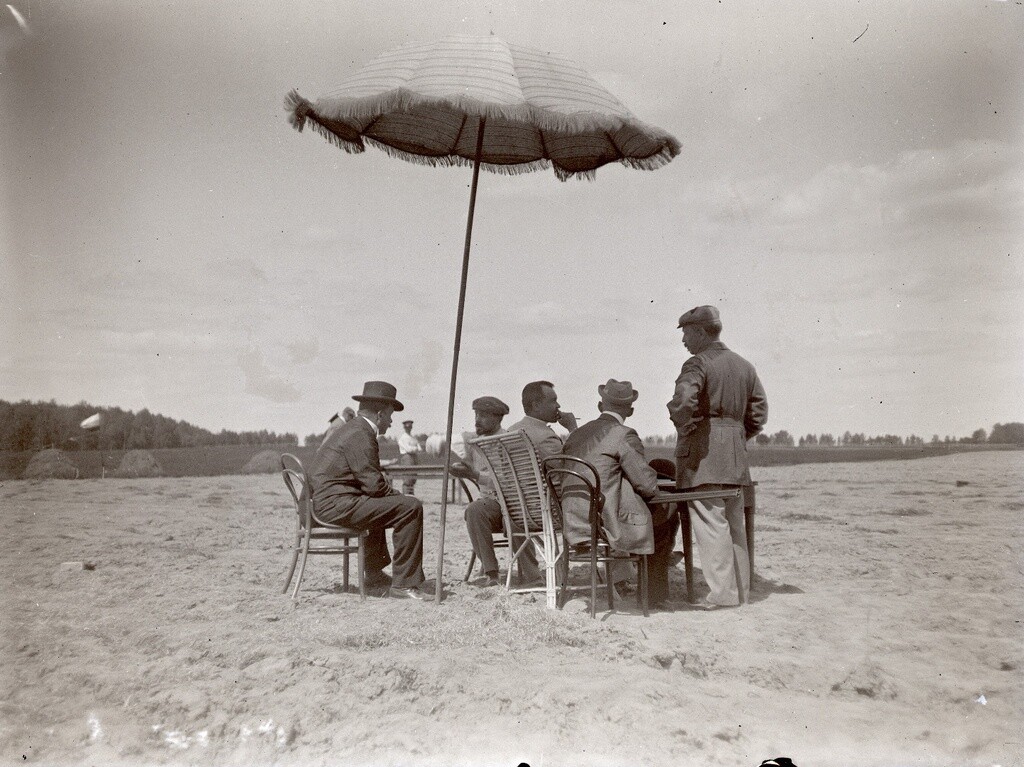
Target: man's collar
point(538, 420)
point(372, 425)
point(612, 414)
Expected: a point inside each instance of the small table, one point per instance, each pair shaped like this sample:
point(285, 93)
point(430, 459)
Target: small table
point(394, 471)
point(668, 495)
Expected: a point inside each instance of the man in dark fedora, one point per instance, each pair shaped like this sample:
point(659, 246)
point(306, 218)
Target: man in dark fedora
point(350, 490)
point(719, 404)
point(627, 484)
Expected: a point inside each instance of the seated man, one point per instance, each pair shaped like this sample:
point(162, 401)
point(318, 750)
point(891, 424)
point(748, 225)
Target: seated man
point(627, 483)
point(483, 516)
point(349, 489)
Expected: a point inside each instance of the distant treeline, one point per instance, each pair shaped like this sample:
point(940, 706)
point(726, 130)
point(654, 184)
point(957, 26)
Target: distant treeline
point(37, 425)
point(1001, 434)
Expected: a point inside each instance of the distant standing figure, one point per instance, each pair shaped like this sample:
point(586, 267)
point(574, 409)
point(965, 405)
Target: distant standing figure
point(337, 421)
point(408, 447)
point(719, 404)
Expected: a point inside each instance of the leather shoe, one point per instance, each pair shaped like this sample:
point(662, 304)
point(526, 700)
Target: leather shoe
point(706, 606)
point(412, 593)
point(486, 581)
point(376, 579)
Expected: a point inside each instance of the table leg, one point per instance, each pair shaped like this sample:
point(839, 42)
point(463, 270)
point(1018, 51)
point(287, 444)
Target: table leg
point(684, 523)
point(748, 519)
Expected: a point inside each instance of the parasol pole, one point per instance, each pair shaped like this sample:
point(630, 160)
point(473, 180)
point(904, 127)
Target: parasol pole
point(455, 359)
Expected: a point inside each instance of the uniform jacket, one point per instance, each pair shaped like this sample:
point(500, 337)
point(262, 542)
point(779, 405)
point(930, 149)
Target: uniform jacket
point(346, 467)
point(719, 404)
point(617, 454)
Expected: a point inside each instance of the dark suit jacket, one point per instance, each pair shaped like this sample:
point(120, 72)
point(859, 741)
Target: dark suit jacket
point(719, 404)
point(617, 454)
point(346, 468)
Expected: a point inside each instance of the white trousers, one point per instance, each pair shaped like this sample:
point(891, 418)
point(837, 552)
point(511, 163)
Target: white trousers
point(720, 534)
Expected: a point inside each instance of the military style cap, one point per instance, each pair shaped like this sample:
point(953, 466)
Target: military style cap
point(491, 405)
point(700, 315)
point(405, 422)
point(618, 392)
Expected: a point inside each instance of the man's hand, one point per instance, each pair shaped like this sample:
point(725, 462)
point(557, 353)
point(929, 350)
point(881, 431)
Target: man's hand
point(567, 421)
point(462, 470)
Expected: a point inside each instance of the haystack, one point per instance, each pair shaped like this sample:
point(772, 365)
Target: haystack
point(50, 464)
point(264, 462)
point(138, 463)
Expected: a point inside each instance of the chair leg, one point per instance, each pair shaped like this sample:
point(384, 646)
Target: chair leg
point(291, 568)
point(344, 559)
point(684, 518)
point(563, 590)
point(609, 587)
point(302, 566)
point(469, 570)
point(593, 581)
point(361, 561)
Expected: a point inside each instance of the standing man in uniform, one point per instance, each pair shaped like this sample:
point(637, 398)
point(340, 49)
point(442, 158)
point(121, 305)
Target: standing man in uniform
point(408, 447)
point(350, 490)
point(719, 404)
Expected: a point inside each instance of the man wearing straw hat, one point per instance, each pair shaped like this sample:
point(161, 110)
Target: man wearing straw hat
point(627, 483)
point(349, 489)
point(719, 404)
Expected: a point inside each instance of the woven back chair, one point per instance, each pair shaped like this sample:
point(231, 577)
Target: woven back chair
point(525, 507)
point(313, 536)
point(576, 480)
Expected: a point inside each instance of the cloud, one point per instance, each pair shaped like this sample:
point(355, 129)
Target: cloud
point(262, 381)
point(302, 352)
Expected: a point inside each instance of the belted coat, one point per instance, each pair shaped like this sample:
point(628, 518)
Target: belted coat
point(719, 404)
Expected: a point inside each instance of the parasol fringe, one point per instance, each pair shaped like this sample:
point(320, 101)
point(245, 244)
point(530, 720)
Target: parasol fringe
point(454, 160)
point(354, 109)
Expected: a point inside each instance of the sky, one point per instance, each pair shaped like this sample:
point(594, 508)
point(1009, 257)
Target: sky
point(849, 194)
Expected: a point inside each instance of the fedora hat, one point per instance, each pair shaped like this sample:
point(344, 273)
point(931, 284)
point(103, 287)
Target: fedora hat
point(618, 392)
point(379, 391)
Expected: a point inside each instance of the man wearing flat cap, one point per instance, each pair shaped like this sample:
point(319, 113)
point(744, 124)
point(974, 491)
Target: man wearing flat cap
point(483, 516)
point(719, 404)
point(627, 483)
point(349, 489)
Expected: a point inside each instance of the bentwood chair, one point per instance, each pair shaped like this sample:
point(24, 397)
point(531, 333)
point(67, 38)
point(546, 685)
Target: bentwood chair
point(525, 506)
point(313, 536)
point(574, 482)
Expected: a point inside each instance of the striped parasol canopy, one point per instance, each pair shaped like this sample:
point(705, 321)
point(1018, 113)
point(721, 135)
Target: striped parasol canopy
point(480, 101)
point(422, 103)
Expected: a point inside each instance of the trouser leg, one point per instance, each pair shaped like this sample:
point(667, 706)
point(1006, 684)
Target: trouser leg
point(402, 513)
point(666, 524)
point(483, 519)
point(715, 528)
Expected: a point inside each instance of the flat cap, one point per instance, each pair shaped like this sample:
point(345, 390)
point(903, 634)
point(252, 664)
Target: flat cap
point(700, 315)
point(491, 405)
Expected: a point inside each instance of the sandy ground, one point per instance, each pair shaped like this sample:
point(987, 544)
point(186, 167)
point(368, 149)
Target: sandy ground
point(885, 629)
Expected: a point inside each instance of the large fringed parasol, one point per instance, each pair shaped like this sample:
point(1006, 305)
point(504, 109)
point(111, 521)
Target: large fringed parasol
point(480, 101)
